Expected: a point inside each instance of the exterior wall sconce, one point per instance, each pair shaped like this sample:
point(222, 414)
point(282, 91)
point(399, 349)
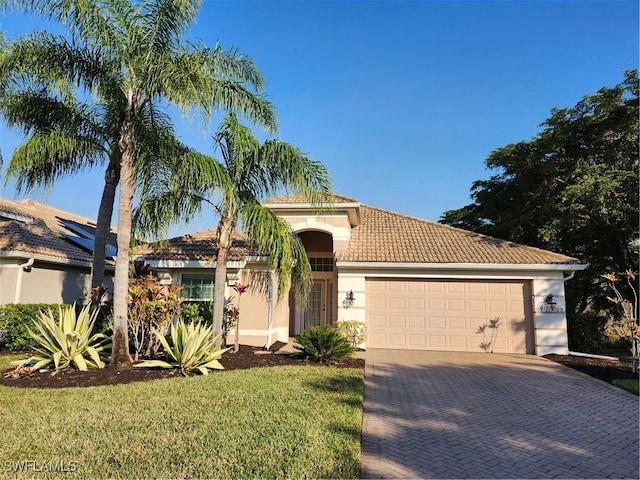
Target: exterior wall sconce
point(348, 299)
point(549, 305)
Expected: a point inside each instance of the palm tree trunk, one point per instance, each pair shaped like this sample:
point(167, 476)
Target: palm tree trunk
point(103, 224)
point(224, 234)
point(120, 357)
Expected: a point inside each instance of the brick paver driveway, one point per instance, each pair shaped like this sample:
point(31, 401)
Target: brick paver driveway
point(468, 415)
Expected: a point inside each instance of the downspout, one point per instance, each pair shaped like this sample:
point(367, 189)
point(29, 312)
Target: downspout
point(26, 266)
point(270, 312)
point(570, 276)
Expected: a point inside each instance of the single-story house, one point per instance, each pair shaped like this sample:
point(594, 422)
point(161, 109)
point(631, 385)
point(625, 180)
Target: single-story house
point(415, 284)
point(45, 254)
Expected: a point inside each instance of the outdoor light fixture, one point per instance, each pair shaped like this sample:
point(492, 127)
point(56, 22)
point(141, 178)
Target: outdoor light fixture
point(549, 305)
point(348, 299)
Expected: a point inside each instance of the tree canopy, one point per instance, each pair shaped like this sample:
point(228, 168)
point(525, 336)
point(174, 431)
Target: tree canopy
point(135, 54)
point(234, 185)
point(572, 189)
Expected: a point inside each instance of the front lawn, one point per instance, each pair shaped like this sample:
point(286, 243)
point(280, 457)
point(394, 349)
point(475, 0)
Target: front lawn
point(276, 422)
point(630, 384)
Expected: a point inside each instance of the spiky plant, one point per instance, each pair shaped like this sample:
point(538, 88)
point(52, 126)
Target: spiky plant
point(323, 344)
point(65, 340)
point(192, 348)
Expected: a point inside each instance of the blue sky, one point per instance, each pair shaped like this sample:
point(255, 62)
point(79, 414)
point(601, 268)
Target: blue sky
point(402, 100)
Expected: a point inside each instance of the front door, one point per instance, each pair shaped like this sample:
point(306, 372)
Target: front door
point(319, 307)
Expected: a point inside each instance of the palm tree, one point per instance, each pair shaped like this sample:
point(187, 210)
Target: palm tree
point(234, 187)
point(134, 53)
point(71, 136)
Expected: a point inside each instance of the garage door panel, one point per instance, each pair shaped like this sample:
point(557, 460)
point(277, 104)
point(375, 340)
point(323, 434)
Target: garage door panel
point(477, 305)
point(457, 323)
point(459, 305)
point(416, 303)
point(437, 322)
point(446, 315)
point(395, 303)
point(417, 322)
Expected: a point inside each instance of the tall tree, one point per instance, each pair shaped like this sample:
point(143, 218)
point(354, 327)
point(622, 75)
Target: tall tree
point(63, 136)
point(234, 187)
point(573, 188)
point(135, 52)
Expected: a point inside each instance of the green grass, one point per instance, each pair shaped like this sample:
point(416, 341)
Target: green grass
point(630, 384)
point(279, 422)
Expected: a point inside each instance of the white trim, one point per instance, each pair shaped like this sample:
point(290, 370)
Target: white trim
point(307, 206)
point(50, 259)
point(462, 266)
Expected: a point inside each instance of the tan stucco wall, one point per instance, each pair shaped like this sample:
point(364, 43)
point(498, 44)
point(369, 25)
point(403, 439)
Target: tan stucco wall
point(46, 283)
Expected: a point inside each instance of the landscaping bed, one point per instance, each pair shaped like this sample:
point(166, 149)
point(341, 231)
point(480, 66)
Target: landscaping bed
point(601, 368)
point(246, 357)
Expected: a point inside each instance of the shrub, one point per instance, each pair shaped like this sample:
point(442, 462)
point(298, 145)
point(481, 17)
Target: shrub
point(354, 330)
point(152, 307)
point(323, 344)
point(192, 348)
point(190, 312)
point(14, 319)
point(65, 340)
point(586, 332)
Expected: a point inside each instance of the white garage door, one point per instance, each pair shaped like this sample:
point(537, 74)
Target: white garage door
point(449, 315)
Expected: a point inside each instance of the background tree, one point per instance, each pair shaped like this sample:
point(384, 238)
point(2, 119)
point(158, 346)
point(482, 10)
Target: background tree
point(234, 187)
point(573, 189)
point(136, 52)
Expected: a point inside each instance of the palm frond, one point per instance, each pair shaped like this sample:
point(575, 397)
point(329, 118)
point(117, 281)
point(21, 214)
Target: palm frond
point(165, 21)
point(270, 234)
point(44, 158)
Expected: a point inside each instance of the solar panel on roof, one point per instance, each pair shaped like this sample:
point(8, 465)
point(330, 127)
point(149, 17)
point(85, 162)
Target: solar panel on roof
point(75, 228)
point(80, 241)
point(87, 238)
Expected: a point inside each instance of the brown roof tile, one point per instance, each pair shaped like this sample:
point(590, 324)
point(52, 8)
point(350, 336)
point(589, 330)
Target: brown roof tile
point(196, 246)
point(385, 236)
point(35, 228)
point(382, 236)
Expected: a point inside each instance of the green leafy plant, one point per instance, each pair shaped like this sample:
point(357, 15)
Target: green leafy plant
point(587, 332)
point(65, 340)
point(152, 307)
point(354, 330)
point(190, 313)
point(323, 344)
point(14, 320)
point(192, 348)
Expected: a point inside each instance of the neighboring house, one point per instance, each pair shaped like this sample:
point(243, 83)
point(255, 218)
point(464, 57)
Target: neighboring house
point(45, 254)
point(416, 284)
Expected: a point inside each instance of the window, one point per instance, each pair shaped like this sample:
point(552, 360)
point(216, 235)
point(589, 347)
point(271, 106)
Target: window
point(197, 287)
point(321, 264)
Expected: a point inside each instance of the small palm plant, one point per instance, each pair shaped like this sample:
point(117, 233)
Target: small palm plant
point(65, 340)
point(323, 344)
point(193, 348)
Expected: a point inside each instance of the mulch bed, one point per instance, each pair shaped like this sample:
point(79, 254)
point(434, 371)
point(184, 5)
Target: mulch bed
point(245, 358)
point(601, 368)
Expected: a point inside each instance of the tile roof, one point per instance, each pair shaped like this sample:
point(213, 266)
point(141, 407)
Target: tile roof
point(382, 236)
point(196, 246)
point(385, 236)
point(295, 198)
point(35, 228)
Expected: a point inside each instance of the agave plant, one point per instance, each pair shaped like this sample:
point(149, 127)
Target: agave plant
point(65, 340)
point(193, 347)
